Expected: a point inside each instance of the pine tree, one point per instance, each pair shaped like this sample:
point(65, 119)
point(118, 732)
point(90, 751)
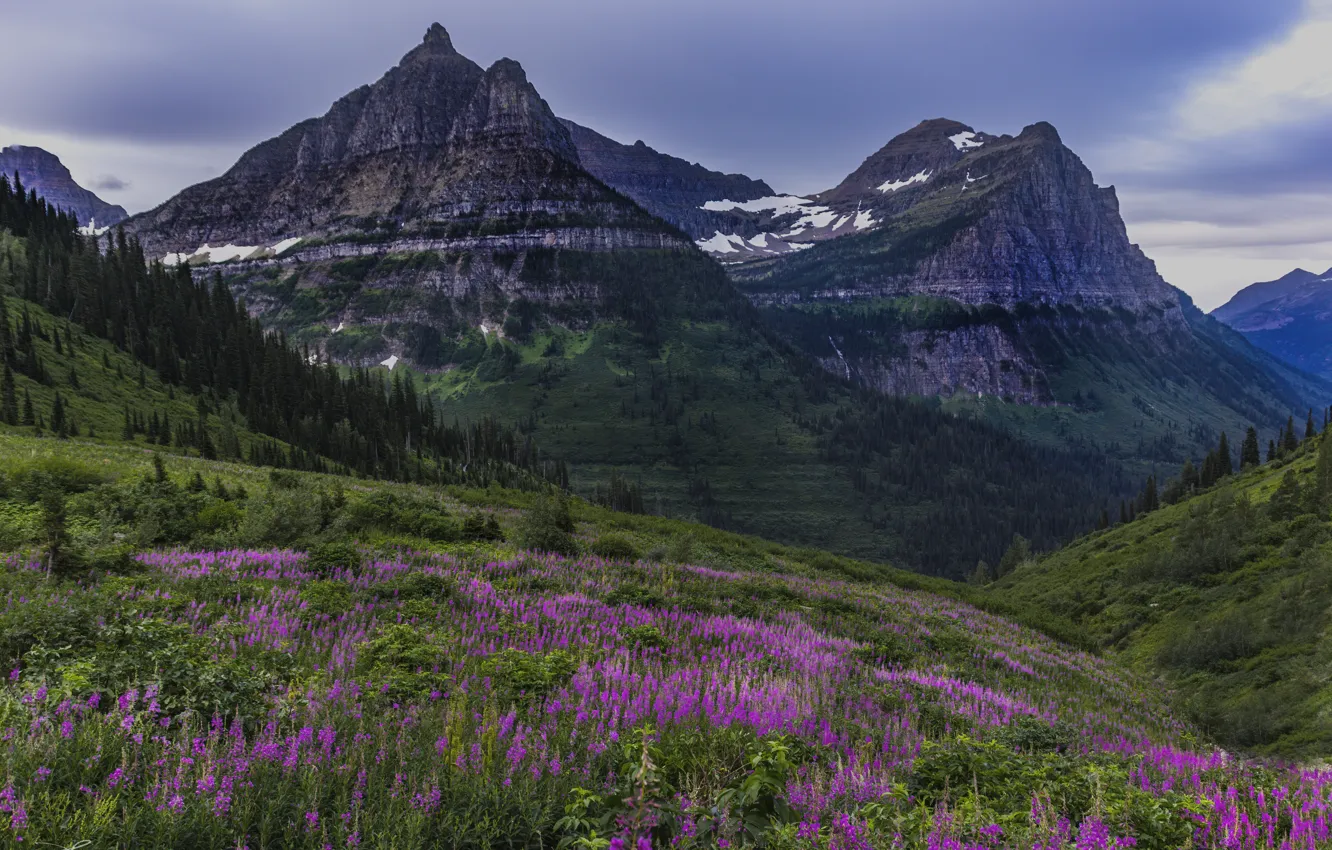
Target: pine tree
point(1288, 441)
point(73, 378)
point(1225, 463)
point(1322, 484)
point(29, 418)
point(127, 433)
point(1309, 430)
point(1249, 452)
point(1271, 451)
point(58, 423)
point(8, 400)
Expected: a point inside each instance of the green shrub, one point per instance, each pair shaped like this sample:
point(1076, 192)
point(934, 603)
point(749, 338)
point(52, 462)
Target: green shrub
point(327, 559)
point(548, 527)
point(528, 675)
point(615, 547)
point(646, 636)
point(329, 598)
point(481, 528)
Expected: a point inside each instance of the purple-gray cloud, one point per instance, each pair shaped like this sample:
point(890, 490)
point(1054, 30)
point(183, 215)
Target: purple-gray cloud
point(793, 93)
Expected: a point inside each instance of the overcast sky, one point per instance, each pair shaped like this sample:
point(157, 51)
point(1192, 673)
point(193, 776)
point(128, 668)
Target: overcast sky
point(1212, 117)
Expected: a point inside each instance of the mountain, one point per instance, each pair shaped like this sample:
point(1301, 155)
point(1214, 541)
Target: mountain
point(1290, 318)
point(1225, 597)
point(437, 154)
point(666, 186)
point(43, 172)
point(997, 271)
point(440, 223)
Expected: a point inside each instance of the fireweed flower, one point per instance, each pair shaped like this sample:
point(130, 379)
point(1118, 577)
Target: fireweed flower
point(862, 717)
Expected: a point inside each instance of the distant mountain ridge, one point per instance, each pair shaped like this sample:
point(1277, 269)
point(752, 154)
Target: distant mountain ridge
point(666, 186)
point(1290, 317)
point(42, 171)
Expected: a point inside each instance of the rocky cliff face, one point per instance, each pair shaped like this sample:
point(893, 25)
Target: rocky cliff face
point(1290, 318)
point(43, 171)
point(437, 148)
point(996, 267)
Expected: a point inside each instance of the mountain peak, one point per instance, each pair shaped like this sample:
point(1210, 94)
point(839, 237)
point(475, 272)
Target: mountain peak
point(438, 38)
point(1042, 130)
point(41, 170)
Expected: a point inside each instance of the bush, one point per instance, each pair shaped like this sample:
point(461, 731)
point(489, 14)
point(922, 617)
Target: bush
point(528, 675)
point(615, 547)
point(327, 559)
point(481, 528)
point(548, 527)
point(329, 598)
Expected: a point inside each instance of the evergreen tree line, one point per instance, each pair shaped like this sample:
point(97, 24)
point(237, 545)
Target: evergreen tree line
point(198, 337)
point(1220, 463)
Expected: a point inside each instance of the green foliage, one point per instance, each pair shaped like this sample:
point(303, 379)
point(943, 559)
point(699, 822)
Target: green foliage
point(326, 598)
point(614, 547)
point(326, 559)
point(1227, 596)
point(528, 675)
point(548, 527)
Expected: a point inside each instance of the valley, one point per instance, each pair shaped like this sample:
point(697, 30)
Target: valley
point(446, 473)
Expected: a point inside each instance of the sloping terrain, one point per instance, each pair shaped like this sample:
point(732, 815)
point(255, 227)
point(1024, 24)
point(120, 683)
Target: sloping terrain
point(1225, 598)
point(658, 684)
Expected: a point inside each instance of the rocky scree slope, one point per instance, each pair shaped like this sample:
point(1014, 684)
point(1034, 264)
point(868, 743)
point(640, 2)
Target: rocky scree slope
point(1290, 318)
point(42, 171)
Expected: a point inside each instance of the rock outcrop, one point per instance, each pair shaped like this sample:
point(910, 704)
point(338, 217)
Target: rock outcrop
point(43, 171)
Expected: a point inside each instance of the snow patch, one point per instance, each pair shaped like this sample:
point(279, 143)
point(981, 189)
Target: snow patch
point(812, 215)
point(760, 241)
point(894, 185)
point(390, 362)
point(965, 141)
point(340, 326)
point(722, 243)
point(865, 219)
point(779, 204)
point(285, 245)
point(91, 229)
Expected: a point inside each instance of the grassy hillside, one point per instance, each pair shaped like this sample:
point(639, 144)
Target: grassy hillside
point(1225, 598)
point(425, 669)
point(98, 383)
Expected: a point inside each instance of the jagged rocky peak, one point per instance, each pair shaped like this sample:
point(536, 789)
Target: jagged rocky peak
point(42, 171)
point(436, 144)
point(506, 110)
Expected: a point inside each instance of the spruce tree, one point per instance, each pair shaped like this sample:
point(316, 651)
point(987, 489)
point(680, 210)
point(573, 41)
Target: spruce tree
point(1288, 441)
point(58, 422)
point(1225, 464)
point(29, 417)
point(1309, 430)
point(1271, 451)
point(1249, 452)
point(8, 399)
point(1322, 485)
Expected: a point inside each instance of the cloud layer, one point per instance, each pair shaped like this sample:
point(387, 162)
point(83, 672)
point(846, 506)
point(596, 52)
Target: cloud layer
point(1209, 114)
